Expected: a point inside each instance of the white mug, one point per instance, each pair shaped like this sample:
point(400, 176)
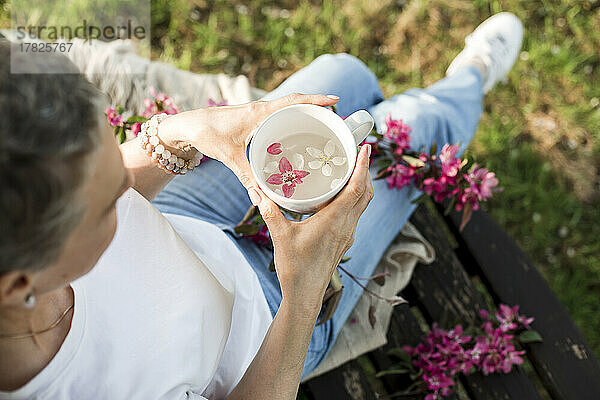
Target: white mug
point(302, 118)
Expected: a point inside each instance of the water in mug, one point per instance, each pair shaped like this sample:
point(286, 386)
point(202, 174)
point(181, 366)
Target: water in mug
point(305, 165)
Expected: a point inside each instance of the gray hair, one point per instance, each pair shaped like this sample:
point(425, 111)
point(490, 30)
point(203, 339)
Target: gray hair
point(48, 131)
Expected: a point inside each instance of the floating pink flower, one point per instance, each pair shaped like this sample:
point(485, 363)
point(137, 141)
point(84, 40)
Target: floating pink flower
point(274, 149)
point(288, 177)
point(398, 133)
point(114, 117)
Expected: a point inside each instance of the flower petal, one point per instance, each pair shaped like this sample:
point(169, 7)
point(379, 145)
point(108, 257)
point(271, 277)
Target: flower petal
point(284, 165)
point(315, 164)
point(335, 182)
point(288, 189)
point(275, 179)
point(300, 174)
point(316, 153)
point(329, 148)
point(338, 160)
point(298, 161)
point(270, 167)
point(274, 149)
point(327, 170)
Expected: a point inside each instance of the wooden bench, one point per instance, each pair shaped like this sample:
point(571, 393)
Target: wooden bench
point(480, 266)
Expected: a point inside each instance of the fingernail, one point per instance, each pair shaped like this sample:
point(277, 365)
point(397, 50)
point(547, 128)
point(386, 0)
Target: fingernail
point(368, 150)
point(254, 196)
point(333, 96)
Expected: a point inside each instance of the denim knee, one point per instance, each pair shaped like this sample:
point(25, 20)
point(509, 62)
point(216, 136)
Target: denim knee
point(356, 85)
point(345, 64)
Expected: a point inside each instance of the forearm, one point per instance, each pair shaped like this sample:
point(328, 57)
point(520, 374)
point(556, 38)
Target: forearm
point(277, 367)
point(149, 180)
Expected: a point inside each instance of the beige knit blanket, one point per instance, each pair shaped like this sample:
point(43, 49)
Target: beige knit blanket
point(126, 78)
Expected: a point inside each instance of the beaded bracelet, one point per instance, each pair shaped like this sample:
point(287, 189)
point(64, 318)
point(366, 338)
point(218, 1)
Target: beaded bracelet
point(151, 145)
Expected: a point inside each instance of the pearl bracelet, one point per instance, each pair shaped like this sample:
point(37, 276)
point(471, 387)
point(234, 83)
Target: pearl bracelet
point(150, 144)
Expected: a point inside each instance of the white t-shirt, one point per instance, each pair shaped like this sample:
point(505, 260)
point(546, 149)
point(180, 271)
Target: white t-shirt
point(170, 311)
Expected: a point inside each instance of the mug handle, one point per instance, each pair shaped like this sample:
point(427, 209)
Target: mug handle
point(360, 123)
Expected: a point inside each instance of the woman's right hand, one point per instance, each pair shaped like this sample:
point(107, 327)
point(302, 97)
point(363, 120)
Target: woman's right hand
point(307, 252)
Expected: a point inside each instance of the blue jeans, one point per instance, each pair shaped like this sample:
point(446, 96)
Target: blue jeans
point(446, 112)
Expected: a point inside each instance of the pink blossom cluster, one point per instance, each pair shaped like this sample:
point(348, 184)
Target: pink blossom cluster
point(114, 117)
point(398, 133)
point(439, 176)
point(482, 183)
point(159, 103)
point(261, 237)
point(445, 353)
point(441, 356)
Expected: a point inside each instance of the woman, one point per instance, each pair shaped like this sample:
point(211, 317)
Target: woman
point(176, 306)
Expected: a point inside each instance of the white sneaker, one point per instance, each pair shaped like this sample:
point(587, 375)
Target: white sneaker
point(494, 45)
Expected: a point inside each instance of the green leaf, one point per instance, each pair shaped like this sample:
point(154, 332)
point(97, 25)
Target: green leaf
point(331, 306)
point(383, 162)
point(120, 109)
point(259, 219)
point(392, 372)
point(382, 174)
point(450, 207)
point(246, 229)
point(122, 136)
point(333, 108)
point(419, 199)
point(136, 118)
point(530, 337)
point(345, 259)
point(401, 354)
point(433, 148)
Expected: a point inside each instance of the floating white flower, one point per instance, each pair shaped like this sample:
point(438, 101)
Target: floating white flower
point(325, 158)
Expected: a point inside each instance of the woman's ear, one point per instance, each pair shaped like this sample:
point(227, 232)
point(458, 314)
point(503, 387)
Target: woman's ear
point(14, 287)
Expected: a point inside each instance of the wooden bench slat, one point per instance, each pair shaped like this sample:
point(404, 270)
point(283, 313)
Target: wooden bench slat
point(444, 289)
point(565, 362)
point(347, 382)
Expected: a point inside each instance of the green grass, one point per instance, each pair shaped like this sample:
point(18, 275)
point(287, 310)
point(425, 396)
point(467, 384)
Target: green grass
point(540, 132)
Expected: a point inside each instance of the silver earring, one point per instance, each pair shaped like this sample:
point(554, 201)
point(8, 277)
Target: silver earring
point(29, 300)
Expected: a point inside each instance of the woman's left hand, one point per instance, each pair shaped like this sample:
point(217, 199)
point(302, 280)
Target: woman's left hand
point(224, 132)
